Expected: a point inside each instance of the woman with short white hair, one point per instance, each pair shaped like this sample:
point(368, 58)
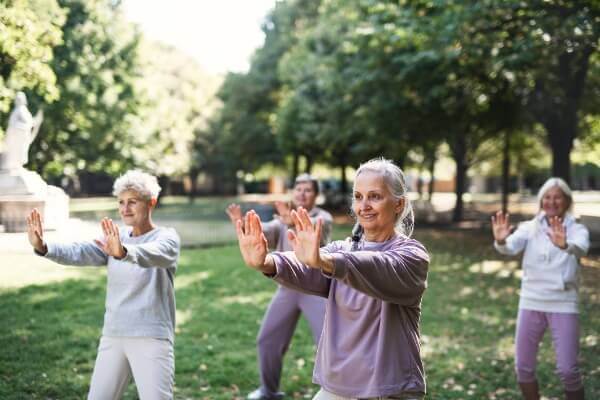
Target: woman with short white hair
point(552, 243)
point(139, 322)
point(373, 283)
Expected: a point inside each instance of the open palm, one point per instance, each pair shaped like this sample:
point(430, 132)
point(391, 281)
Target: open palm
point(557, 233)
point(501, 227)
point(252, 241)
point(111, 245)
point(284, 212)
point(234, 211)
point(35, 231)
point(306, 240)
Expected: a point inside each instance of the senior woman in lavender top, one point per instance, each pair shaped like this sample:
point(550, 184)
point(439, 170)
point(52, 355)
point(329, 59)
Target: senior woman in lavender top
point(279, 322)
point(373, 283)
point(139, 322)
point(552, 243)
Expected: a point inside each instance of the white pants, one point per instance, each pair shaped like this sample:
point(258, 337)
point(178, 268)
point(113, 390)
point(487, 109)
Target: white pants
point(325, 395)
point(150, 361)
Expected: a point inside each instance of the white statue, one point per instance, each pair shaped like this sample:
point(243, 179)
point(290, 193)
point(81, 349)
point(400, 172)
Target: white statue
point(22, 130)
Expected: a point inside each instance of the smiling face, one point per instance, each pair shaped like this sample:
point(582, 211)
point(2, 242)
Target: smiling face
point(134, 209)
point(304, 195)
point(555, 203)
point(374, 206)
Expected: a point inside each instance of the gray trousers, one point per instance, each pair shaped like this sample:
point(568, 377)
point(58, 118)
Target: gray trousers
point(278, 327)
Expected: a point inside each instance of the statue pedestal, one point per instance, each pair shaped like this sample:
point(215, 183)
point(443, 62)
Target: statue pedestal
point(21, 191)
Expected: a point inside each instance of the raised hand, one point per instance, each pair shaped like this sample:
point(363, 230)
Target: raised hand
point(306, 240)
point(284, 212)
point(234, 211)
point(252, 241)
point(111, 245)
point(501, 226)
point(35, 231)
point(557, 233)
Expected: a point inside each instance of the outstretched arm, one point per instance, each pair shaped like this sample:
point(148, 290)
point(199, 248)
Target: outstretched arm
point(575, 241)
point(398, 275)
point(78, 253)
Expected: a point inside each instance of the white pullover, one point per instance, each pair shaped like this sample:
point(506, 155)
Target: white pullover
point(550, 274)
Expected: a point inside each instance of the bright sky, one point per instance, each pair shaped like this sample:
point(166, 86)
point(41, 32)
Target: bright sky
point(220, 34)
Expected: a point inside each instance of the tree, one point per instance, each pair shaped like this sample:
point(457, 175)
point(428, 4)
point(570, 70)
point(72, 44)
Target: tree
point(179, 98)
point(29, 30)
point(547, 47)
point(88, 127)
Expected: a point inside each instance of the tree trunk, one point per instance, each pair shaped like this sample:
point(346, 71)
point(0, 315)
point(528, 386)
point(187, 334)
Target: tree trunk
point(295, 166)
point(459, 153)
point(194, 172)
point(561, 141)
point(343, 179)
point(432, 173)
point(557, 107)
point(309, 164)
point(505, 170)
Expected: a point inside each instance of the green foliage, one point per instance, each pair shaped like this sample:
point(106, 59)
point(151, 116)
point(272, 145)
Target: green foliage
point(88, 127)
point(178, 98)
point(29, 30)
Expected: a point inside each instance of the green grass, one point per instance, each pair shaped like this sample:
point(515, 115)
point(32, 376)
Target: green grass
point(49, 332)
point(200, 223)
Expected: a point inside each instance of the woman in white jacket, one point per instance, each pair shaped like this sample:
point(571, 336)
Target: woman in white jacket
point(552, 243)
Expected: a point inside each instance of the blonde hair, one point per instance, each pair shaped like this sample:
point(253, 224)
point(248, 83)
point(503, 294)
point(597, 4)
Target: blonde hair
point(138, 181)
point(394, 179)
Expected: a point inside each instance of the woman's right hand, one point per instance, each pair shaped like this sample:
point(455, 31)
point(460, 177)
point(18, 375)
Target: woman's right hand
point(35, 232)
point(234, 211)
point(501, 226)
point(253, 243)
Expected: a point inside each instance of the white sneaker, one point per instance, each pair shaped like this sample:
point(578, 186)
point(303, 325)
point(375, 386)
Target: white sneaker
point(258, 394)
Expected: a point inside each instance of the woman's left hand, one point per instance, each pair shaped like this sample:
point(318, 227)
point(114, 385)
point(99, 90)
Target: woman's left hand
point(306, 241)
point(557, 233)
point(112, 241)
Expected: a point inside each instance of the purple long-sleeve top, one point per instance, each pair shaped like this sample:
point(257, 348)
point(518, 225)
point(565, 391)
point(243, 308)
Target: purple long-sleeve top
point(370, 342)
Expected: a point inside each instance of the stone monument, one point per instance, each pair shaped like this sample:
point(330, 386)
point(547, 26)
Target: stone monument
point(21, 189)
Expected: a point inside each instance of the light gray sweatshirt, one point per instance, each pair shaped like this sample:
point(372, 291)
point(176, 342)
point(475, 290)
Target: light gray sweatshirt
point(140, 296)
point(370, 342)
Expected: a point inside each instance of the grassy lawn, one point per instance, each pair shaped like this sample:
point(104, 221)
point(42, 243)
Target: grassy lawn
point(49, 332)
point(200, 223)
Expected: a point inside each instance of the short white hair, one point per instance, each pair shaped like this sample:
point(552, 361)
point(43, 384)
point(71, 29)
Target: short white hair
point(393, 177)
point(559, 183)
point(138, 181)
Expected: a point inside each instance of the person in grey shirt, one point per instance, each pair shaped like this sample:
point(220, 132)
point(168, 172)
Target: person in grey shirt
point(139, 322)
point(373, 283)
point(281, 317)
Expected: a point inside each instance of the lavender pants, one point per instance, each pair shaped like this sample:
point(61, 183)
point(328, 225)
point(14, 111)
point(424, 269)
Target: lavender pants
point(564, 328)
point(278, 328)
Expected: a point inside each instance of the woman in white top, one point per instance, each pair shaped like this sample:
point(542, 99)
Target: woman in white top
point(552, 243)
point(139, 322)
